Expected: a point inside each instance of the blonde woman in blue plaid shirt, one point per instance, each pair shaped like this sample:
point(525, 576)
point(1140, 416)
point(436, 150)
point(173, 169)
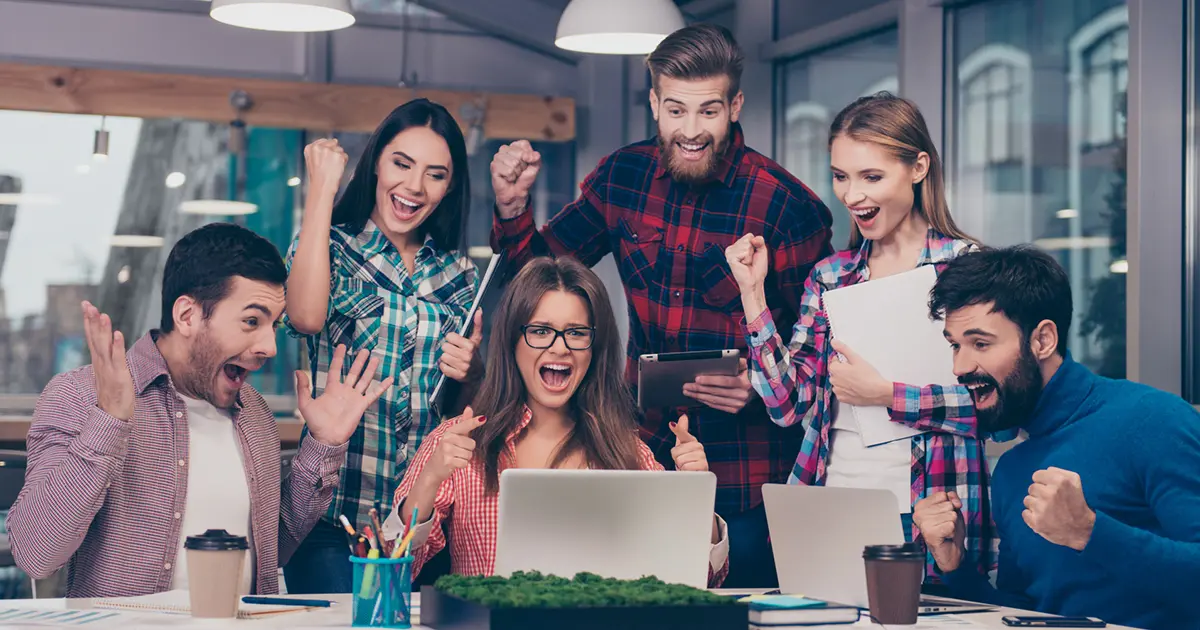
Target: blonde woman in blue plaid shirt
point(383, 270)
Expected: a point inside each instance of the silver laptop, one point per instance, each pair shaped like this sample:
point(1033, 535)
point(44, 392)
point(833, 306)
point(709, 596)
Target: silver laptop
point(818, 535)
point(615, 523)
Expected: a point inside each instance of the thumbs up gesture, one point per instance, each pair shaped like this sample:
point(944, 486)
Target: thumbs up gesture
point(460, 355)
point(688, 452)
point(455, 449)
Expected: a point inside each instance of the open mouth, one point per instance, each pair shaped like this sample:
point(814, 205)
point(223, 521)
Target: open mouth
point(981, 392)
point(404, 208)
point(235, 374)
point(865, 215)
point(555, 376)
point(692, 150)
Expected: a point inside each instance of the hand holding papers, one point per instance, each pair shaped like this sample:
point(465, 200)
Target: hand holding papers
point(886, 323)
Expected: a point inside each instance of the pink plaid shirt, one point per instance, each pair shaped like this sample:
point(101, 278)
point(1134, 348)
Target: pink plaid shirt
point(473, 514)
point(106, 496)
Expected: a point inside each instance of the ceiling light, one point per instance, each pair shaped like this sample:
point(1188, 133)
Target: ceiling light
point(617, 27)
point(217, 207)
point(294, 182)
point(27, 199)
point(293, 16)
point(176, 179)
point(1067, 213)
point(136, 240)
point(123, 275)
point(100, 143)
point(1119, 266)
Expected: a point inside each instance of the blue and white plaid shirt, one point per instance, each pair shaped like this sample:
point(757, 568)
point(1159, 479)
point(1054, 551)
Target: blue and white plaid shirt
point(402, 319)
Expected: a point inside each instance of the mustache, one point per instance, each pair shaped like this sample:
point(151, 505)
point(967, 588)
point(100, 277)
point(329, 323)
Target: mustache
point(706, 138)
point(977, 379)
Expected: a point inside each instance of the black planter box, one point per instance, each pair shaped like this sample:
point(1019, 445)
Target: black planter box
point(446, 612)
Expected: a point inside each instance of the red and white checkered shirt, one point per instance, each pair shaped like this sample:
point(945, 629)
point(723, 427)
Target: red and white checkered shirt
point(107, 496)
point(475, 513)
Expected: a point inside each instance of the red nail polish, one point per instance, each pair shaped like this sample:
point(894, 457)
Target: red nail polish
point(482, 419)
point(673, 425)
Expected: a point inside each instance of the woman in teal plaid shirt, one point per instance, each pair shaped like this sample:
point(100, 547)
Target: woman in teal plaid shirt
point(887, 173)
point(383, 269)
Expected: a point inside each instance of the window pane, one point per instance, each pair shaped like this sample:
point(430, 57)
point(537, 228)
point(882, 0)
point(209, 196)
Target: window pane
point(67, 219)
point(816, 87)
point(1043, 161)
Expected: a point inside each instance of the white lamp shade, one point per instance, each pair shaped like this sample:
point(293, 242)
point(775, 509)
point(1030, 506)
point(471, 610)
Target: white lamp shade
point(293, 16)
point(217, 207)
point(617, 27)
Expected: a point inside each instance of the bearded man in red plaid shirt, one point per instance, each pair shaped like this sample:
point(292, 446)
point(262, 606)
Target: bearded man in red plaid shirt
point(666, 208)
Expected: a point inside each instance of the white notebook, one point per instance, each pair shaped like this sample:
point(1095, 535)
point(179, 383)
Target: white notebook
point(178, 602)
point(886, 322)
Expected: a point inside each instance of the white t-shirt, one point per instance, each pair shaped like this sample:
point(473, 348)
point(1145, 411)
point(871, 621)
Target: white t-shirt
point(218, 495)
point(851, 464)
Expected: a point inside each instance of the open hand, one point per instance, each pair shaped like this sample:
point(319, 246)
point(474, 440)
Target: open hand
point(460, 357)
point(688, 452)
point(725, 393)
point(939, 519)
point(114, 384)
point(333, 416)
point(856, 382)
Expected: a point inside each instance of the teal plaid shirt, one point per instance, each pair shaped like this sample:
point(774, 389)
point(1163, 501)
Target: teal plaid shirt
point(375, 304)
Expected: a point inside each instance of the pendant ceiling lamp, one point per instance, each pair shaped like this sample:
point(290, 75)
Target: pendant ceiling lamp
point(292, 16)
point(617, 27)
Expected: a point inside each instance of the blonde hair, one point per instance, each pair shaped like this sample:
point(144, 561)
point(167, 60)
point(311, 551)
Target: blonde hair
point(897, 125)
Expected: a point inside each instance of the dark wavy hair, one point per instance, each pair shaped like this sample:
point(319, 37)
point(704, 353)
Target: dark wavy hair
point(606, 428)
point(446, 222)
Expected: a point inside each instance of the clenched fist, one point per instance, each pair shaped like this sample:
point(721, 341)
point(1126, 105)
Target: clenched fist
point(939, 519)
point(1056, 509)
point(514, 169)
point(747, 259)
point(325, 162)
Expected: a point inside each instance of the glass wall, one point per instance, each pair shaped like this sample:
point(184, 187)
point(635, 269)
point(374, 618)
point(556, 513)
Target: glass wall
point(815, 87)
point(77, 226)
point(1039, 147)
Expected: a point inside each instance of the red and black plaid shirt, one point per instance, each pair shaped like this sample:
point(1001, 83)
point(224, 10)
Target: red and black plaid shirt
point(669, 242)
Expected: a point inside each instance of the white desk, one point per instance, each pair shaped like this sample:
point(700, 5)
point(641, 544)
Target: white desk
point(339, 617)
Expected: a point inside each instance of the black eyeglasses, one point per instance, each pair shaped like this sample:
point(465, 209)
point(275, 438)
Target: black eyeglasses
point(542, 337)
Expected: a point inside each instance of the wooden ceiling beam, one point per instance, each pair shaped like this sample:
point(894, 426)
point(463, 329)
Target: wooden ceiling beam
point(287, 104)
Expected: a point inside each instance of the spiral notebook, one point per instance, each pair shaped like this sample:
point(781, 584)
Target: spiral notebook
point(886, 322)
point(178, 603)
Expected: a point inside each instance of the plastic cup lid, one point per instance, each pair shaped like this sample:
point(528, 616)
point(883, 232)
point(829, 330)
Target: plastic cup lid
point(216, 540)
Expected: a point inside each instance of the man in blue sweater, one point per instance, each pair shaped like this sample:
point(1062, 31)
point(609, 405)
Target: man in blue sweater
point(1098, 512)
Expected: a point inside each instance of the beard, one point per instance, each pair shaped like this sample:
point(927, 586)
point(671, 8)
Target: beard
point(687, 171)
point(204, 369)
point(1016, 397)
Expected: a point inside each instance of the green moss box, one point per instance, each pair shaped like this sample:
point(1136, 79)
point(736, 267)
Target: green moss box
point(528, 601)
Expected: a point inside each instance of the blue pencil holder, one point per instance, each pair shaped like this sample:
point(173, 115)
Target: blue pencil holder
point(382, 592)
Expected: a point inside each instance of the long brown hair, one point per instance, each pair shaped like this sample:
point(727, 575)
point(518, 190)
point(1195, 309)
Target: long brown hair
point(605, 428)
point(896, 124)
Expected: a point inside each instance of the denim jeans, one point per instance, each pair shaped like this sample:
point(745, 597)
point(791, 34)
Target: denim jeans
point(751, 561)
point(322, 562)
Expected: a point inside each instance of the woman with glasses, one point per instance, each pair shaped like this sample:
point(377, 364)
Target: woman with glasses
point(555, 397)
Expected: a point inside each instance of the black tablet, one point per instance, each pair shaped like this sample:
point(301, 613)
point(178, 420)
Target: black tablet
point(661, 376)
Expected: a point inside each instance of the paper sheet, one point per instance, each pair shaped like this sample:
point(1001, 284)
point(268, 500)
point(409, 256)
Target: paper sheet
point(886, 322)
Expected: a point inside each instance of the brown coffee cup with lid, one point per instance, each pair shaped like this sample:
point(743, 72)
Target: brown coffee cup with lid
point(894, 576)
point(215, 561)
